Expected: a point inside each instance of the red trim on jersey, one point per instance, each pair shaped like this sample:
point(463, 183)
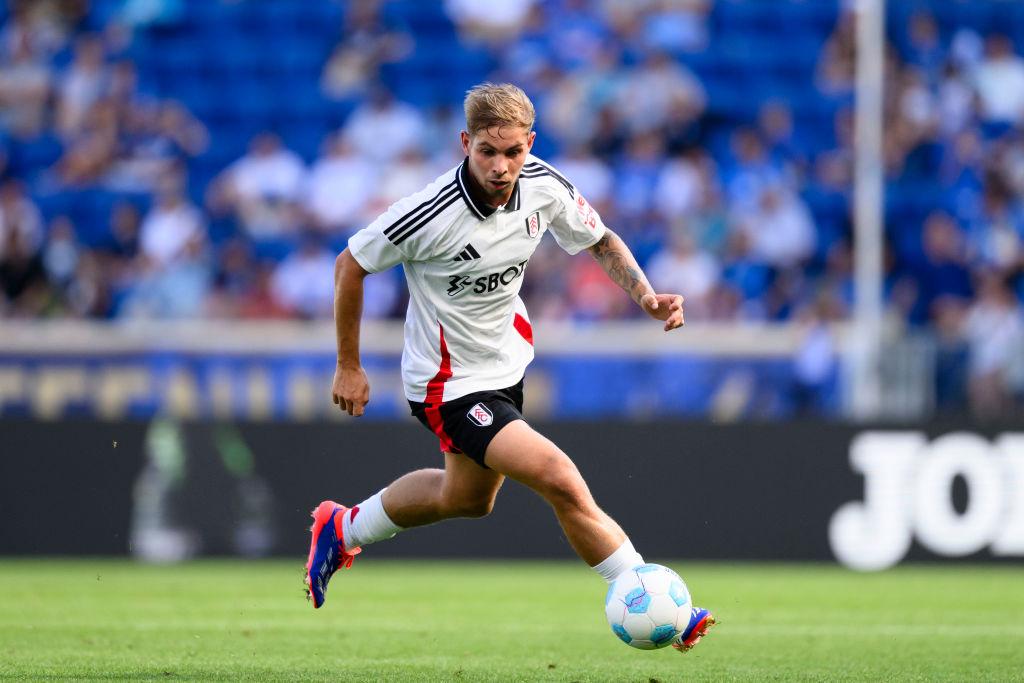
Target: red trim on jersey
point(435, 397)
point(523, 327)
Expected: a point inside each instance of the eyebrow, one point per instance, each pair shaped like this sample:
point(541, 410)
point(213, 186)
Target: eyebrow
point(515, 147)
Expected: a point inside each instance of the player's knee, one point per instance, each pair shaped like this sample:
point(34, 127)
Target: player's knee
point(474, 507)
point(563, 487)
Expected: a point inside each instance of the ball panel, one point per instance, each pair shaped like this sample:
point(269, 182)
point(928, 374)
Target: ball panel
point(622, 634)
point(639, 626)
point(656, 582)
point(663, 635)
point(662, 610)
point(637, 601)
point(677, 591)
point(614, 611)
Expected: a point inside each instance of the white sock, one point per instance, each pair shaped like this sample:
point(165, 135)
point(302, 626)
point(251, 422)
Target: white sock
point(626, 557)
point(368, 523)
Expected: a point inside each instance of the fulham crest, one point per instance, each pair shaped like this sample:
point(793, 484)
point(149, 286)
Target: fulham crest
point(480, 415)
point(533, 224)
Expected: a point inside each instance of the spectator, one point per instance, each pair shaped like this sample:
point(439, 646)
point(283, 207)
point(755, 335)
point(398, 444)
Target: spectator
point(89, 156)
point(837, 62)
point(575, 100)
point(592, 295)
point(955, 101)
point(383, 129)
point(20, 220)
point(943, 273)
point(22, 277)
point(994, 328)
point(749, 170)
point(339, 187)
point(262, 189)
point(405, 175)
point(681, 185)
point(780, 228)
point(658, 90)
point(489, 21)
point(591, 176)
point(367, 43)
point(686, 269)
point(303, 284)
point(235, 278)
point(24, 92)
point(924, 49)
point(677, 25)
point(81, 86)
point(61, 254)
point(999, 80)
point(744, 274)
point(637, 174)
point(36, 25)
point(816, 361)
point(173, 229)
point(175, 273)
point(125, 222)
point(775, 127)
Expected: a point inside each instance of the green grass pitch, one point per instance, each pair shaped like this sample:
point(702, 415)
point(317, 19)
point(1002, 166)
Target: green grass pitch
point(66, 619)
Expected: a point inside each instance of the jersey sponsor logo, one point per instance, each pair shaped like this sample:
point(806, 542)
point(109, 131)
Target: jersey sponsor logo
point(457, 283)
point(586, 212)
point(533, 224)
point(486, 284)
point(480, 415)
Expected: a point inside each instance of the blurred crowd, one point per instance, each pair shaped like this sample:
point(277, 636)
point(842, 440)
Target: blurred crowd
point(746, 214)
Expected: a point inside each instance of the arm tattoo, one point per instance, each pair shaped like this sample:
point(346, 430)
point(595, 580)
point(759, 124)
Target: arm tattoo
point(616, 259)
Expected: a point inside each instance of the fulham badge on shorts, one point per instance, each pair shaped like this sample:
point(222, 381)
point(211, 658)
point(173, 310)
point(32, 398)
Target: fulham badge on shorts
point(480, 415)
point(533, 224)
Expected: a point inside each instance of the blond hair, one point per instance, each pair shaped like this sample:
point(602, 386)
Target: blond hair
point(489, 105)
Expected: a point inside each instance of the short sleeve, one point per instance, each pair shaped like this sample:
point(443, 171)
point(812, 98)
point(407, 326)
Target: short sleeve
point(575, 224)
point(373, 250)
point(385, 242)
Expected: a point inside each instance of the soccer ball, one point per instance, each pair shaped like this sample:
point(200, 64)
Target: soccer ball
point(647, 606)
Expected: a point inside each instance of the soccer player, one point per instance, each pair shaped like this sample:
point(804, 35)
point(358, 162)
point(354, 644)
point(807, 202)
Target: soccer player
point(465, 241)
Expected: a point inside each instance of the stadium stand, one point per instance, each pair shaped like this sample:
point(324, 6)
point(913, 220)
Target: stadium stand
point(715, 136)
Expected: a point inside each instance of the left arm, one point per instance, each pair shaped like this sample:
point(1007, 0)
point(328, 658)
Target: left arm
point(620, 264)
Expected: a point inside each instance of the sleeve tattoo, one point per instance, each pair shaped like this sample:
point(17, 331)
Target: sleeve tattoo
point(616, 259)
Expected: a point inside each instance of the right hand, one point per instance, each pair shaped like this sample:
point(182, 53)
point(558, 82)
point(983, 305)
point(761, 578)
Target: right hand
point(351, 389)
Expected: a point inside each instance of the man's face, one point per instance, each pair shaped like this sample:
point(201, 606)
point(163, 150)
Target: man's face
point(496, 156)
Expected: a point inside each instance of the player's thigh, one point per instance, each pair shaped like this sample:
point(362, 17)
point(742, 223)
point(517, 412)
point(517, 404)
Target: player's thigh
point(529, 457)
point(466, 481)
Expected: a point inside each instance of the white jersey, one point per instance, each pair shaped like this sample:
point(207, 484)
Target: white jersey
point(466, 329)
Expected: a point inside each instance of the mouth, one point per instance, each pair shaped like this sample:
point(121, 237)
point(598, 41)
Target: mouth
point(498, 184)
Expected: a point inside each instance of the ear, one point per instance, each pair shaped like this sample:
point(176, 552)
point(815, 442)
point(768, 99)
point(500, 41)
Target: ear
point(529, 140)
point(466, 142)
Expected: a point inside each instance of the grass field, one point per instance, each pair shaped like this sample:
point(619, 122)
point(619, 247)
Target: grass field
point(114, 620)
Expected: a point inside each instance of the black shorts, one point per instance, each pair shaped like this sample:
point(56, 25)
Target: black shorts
point(467, 424)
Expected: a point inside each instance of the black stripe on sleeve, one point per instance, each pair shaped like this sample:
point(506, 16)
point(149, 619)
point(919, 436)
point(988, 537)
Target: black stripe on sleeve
point(540, 173)
point(421, 209)
point(409, 233)
point(534, 165)
point(417, 222)
point(472, 252)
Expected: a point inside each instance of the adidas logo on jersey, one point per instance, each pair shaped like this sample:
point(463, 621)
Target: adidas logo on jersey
point(467, 254)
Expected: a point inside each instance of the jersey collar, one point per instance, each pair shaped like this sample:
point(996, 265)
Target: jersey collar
point(479, 209)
